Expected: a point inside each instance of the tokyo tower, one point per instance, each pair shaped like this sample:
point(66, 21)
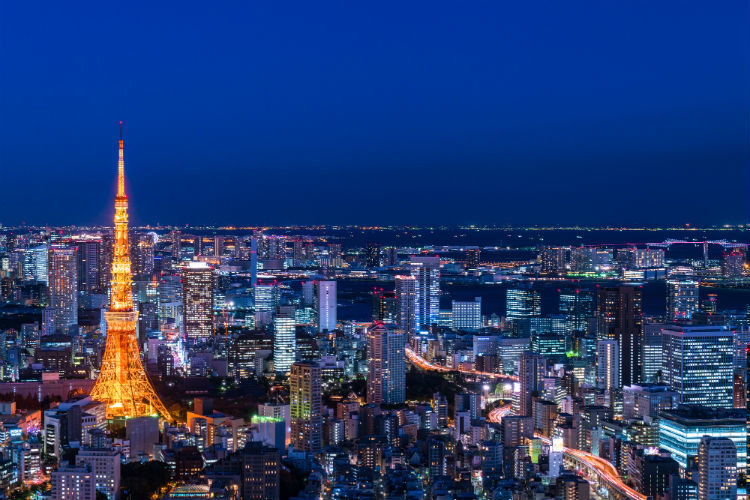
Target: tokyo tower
point(122, 383)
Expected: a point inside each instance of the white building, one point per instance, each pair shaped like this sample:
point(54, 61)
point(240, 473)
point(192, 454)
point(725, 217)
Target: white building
point(467, 316)
point(284, 342)
point(105, 465)
point(717, 469)
point(325, 305)
point(607, 364)
point(73, 482)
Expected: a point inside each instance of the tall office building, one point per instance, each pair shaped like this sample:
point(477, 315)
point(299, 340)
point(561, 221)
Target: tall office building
point(426, 270)
point(266, 300)
point(406, 296)
point(284, 340)
point(698, 364)
point(607, 364)
point(198, 301)
point(306, 406)
point(578, 307)
point(169, 297)
point(466, 316)
point(63, 286)
point(717, 469)
point(532, 371)
point(35, 264)
point(386, 365)
point(619, 317)
point(325, 305)
point(652, 355)
point(682, 297)
point(88, 264)
point(522, 304)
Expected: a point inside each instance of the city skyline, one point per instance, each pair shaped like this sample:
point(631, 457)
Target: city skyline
point(502, 115)
point(483, 251)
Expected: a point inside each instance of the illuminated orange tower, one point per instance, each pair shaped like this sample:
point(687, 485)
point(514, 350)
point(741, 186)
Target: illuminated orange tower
point(122, 383)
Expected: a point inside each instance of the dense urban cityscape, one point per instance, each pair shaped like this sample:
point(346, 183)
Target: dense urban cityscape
point(349, 362)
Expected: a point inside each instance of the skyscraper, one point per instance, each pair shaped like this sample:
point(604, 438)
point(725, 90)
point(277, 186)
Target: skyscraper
point(325, 305)
point(386, 365)
point(619, 317)
point(717, 469)
point(698, 364)
point(284, 340)
point(122, 383)
point(426, 270)
point(607, 364)
point(306, 406)
point(578, 307)
point(532, 370)
point(63, 286)
point(682, 297)
point(35, 264)
point(522, 304)
point(406, 296)
point(142, 249)
point(88, 264)
point(197, 301)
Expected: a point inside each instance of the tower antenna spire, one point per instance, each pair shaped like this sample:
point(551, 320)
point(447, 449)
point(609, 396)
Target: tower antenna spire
point(122, 383)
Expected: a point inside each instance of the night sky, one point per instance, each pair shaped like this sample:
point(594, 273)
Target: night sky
point(600, 112)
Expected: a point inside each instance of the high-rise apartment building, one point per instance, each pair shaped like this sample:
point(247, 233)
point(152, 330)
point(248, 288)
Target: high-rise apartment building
point(620, 318)
point(426, 270)
point(306, 406)
point(63, 286)
point(607, 364)
point(197, 301)
point(88, 264)
point(532, 371)
point(284, 340)
point(682, 297)
point(406, 296)
point(698, 364)
point(386, 365)
point(325, 305)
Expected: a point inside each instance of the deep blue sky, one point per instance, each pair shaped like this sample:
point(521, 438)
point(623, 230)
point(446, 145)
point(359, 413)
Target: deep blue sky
point(369, 112)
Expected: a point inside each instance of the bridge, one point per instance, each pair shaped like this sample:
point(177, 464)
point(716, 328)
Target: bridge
point(723, 243)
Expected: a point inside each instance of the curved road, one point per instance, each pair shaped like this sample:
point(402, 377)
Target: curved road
point(601, 467)
point(420, 362)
